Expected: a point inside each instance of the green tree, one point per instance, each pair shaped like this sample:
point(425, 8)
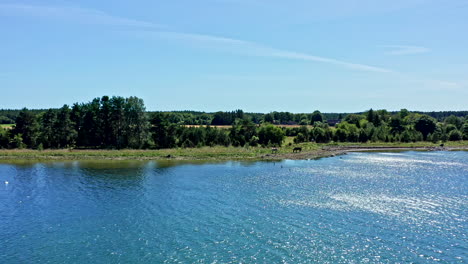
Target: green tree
point(453, 120)
point(354, 119)
point(268, 118)
point(370, 115)
point(105, 119)
point(6, 120)
point(162, 131)
point(4, 139)
point(117, 122)
point(64, 128)
point(465, 130)
point(17, 142)
point(403, 113)
point(270, 134)
point(347, 132)
point(426, 125)
point(449, 127)
point(47, 129)
point(316, 117)
point(455, 135)
point(94, 130)
point(242, 131)
point(321, 135)
point(396, 125)
point(136, 123)
point(254, 141)
point(374, 117)
point(28, 127)
point(76, 116)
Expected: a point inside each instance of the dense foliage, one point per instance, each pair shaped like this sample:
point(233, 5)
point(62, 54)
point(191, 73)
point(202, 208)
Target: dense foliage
point(382, 126)
point(117, 122)
point(8, 116)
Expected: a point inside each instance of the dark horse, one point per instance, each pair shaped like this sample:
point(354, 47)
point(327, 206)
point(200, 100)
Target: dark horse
point(297, 149)
point(274, 150)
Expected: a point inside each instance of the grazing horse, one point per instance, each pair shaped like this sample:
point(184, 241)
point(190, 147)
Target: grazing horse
point(274, 150)
point(297, 149)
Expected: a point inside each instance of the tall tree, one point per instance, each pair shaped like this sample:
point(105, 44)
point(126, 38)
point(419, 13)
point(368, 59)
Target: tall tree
point(268, 118)
point(316, 117)
point(64, 128)
point(396, 124)
point(91, 133)
point(117, 122)
point(136, 123)
point(47, 130)
point(105, 122)
point(426, 125)
point(27, 127)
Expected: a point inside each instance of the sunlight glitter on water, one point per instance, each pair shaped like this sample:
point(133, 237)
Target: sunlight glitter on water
point(356, 208)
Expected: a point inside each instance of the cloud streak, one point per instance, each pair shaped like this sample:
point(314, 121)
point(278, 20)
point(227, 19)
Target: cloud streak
point(250, 48)
point(73, 15)
point(256, 49)
point(405, 50)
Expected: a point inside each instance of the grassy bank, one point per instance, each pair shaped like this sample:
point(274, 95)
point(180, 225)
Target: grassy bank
point(309, 150)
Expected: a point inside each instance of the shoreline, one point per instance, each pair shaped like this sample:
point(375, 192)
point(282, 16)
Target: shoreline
point(336, 151)
point(315, 151)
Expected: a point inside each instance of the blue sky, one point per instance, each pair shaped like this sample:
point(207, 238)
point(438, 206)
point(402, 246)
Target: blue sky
point(255, 55)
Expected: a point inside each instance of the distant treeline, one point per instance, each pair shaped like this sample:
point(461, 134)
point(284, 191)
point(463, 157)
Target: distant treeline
point(117, 122)
point(8, 116)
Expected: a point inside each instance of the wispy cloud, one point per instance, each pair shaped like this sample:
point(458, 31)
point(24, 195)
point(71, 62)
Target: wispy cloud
point(250, 48)
point(72, 14)
point(441, 85)
point(256, 49)
point(405, 50)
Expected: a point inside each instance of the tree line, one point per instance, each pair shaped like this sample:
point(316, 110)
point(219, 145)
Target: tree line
point(117, 122)
point(383, 126)
point(8, 116)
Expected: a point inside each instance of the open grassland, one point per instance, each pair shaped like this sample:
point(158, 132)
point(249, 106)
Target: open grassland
point(309, 151)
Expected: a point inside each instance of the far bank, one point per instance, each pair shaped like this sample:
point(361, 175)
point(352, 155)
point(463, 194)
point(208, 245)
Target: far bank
point(307, 151)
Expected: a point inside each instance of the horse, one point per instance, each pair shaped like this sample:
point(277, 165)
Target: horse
point(297, 149)
point(274, 150)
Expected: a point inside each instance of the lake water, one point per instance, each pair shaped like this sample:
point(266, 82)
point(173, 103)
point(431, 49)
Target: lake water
point(408, 207)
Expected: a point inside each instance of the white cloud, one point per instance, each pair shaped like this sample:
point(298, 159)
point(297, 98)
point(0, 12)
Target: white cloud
point(72, 14)
point(256, 49)
point(405, 50)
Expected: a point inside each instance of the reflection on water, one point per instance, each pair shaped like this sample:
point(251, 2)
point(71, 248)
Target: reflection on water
point(358, 208)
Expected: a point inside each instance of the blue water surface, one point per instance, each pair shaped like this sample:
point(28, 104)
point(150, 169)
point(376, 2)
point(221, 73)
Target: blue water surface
point(408, 207)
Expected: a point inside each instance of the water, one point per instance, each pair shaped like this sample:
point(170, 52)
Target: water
point(408, 207)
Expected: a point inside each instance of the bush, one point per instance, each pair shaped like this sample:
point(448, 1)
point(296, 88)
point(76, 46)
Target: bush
point(17, 142)
point(270, 135)
point(254, 141)
point(465, 131)
point(455, 135)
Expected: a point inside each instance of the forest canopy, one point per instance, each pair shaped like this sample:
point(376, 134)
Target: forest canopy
point(117, 122)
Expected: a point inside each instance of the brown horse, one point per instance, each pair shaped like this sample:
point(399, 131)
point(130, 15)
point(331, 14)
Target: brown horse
point(297, 149)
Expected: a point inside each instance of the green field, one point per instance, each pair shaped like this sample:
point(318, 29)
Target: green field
point(6, 125)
